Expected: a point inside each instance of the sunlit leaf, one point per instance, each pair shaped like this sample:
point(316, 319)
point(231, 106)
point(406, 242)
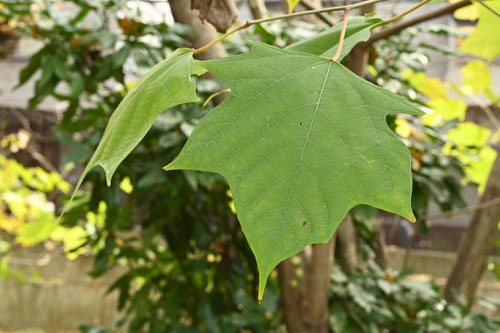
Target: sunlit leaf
point(431, 87)
point(292, 4)
point(469, 13)
point(485, 40)
point(469, 134)
point(444, 109)
point(476, 77)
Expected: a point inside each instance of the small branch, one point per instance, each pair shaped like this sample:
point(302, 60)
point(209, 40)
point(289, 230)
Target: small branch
point(215, 41)
point(397, 17)
point(322, 16)
point(491, 9)
point(376, 36)
point(342, 36)
point(485, 108)
point(316, 11)
point(461, 211)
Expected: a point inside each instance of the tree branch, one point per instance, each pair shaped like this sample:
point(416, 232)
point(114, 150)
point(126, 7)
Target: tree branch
point(315, 11)
point(376, 36)
point(491, 9)
point(323, 17)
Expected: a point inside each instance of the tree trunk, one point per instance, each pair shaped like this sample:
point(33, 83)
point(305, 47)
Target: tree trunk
point(358, 59)
point(318, 286)
point(258, 8)
point(304, 283)
point(477, 242)
point(204, 32)
point(347, 249)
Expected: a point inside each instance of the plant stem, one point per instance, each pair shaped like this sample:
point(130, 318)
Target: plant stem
point(342, 36)
point(397, 17)
point(491, 9)
point(215, 41)
point(315, 11)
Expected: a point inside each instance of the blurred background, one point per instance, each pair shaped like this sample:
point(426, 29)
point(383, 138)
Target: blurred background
point(163, 252)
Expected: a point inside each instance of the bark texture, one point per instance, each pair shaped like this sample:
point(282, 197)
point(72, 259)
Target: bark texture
point(258, 8)
point(203, 34)
point(477, 242)
point(304, 283)
point(220, 13)
point(347, 249)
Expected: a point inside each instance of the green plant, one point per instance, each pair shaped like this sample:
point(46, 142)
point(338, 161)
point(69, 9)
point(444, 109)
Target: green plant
point(175, 232)
point(387, 301)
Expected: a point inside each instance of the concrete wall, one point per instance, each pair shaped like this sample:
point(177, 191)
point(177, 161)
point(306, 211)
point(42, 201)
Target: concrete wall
point(64, 298)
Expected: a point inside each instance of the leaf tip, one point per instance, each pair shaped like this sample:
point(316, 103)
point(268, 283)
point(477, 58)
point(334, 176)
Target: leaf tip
point(169, 167)
point(262, 286)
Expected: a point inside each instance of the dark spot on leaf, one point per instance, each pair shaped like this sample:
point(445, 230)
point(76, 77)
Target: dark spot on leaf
point(304, 223)
point(300, 124)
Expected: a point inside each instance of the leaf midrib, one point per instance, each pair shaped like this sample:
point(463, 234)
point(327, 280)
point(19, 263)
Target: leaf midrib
point(297, 171)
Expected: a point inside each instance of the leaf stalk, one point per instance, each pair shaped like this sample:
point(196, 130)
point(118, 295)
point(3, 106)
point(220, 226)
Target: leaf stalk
point(399, 16)
point(220, 38)
point(342, 37)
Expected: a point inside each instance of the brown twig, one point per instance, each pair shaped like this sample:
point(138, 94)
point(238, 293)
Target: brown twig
point(322, 16)
point(461, 211)
point(491, 9)
point(376, 36)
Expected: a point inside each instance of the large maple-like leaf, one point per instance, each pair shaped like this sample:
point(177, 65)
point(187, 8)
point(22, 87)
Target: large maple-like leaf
point(165, 85)
point(301, 140)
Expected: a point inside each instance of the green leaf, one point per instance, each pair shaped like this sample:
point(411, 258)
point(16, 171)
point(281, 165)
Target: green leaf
point(485, 40)
point(301, 140)
point(326, 42)
point(33, 66)
point(166, 85)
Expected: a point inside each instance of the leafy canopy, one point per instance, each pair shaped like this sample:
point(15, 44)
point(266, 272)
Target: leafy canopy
point(301, 140)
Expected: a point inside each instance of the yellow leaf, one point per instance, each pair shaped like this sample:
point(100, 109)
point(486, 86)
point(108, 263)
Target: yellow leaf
point(485, 40)
point(373, 71)
point(403, 128)
point(292, 4)
point(431, 87)
point(476, 77)
point(479, 169)
point(469, 134)
point(469, 13)
point(444, 109)
point(126, 186)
